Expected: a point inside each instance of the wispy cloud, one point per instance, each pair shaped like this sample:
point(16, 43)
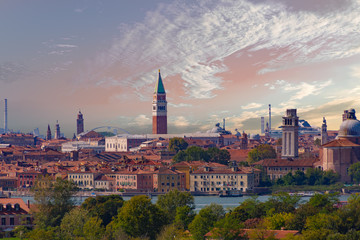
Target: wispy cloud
point(193, 39)
point(252, 106)
point(141, 120)
point(180, 105)
point(181, 121)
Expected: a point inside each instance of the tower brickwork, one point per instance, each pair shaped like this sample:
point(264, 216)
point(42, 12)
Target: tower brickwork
point(79, 123)
point(290, 135)
point(57, 130)
point(159, 108)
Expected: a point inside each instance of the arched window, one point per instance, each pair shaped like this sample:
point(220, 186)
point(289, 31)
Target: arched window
point(17, 207)
point(8, 207)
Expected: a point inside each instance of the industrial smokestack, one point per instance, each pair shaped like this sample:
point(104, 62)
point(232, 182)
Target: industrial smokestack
point(224, 123)
point(262, 125)
point(269, 117)
point(5, 118)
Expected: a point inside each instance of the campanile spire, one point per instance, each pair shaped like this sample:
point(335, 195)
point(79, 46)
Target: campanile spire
point(159, 108)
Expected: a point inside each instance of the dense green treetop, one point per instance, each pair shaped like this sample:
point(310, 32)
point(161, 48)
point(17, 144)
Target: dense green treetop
point(263, 151)
point(177, 144)
point(104, 207)
point(53, 200)
point(170, 201)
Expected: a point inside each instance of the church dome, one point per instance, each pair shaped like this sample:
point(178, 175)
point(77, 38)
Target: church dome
point(351, 126)
point(216, 129)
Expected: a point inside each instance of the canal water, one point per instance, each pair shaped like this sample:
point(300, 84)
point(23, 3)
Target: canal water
point(202, 201)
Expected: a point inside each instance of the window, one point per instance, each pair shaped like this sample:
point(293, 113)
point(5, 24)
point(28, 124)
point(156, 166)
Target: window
point(3, 221)
point(8, 207)
point(17, 207)
point(12, 222)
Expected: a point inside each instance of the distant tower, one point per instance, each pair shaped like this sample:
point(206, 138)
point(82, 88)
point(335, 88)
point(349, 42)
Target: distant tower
point(6, 117)
point(269, 118)
point(159, 111)
point(48, 133)
point(290, 135)
point(324, 135)
point(57, 130)
point(262, 125)
point(244, 141)
point(79, 123)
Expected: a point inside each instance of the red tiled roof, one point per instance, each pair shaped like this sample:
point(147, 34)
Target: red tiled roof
point(287, 163)
point(341, 142)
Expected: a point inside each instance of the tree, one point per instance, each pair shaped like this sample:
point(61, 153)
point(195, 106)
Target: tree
point(184, 216)
point(53, 200)
point(177, 144)
point(354, 172)
point(73, 223)
point(104, 207)
point(281, 203)
point(263, 151)
point(170, 201)
point(193, 153)
point(299, 178)
point(279, 221)
point(93, 229)
point(217, 155)
point(205, 220)
point(317, 142)
point(324, 202)
point(140, 218)
point(313, 176)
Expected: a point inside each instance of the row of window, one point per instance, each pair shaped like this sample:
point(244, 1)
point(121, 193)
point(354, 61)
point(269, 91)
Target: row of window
point(280, 169)
point(80, 176)
point(216, 189)
point(217, 176)
point(9, 208)
point(218, 183)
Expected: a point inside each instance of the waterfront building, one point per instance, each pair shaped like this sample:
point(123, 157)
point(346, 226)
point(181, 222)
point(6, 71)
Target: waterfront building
point(166, 180)
point(277, 168)
point(159, 108)
point(290, 135)
point(83, 178)
point(210, 181)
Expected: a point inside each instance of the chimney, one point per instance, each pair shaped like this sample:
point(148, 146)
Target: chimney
point(269, 117)
point(28, 203)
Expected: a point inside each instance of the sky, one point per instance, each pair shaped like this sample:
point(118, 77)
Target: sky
point(218, 59)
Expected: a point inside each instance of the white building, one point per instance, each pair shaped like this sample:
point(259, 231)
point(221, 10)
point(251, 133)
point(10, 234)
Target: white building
point(124, 142)
point(77, 145)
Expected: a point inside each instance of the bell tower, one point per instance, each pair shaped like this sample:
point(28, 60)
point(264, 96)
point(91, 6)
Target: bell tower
point(79, 123)
point(290, 135)
point(159, 108)
point(324, 135)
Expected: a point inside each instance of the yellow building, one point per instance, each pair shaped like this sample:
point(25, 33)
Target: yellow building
point(209, 180)
point(166, 180)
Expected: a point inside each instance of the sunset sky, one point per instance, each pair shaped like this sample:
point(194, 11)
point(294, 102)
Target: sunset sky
point(218, 59)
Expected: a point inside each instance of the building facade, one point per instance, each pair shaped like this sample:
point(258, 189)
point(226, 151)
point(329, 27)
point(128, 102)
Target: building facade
point(338, 155)
point(14, 212)
point(159, 108)
point(209, 180)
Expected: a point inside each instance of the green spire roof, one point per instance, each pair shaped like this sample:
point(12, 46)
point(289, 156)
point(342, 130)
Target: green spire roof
point(159, 88)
